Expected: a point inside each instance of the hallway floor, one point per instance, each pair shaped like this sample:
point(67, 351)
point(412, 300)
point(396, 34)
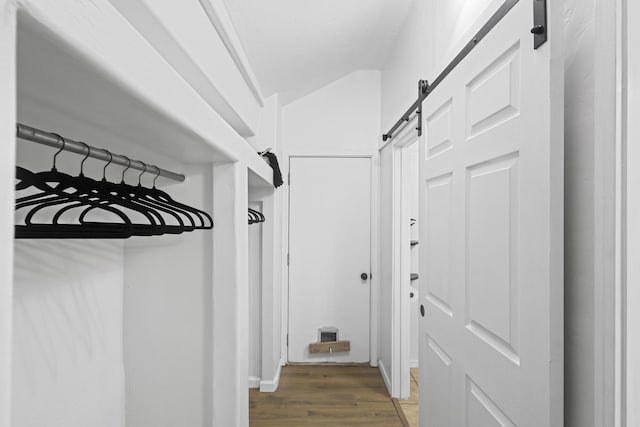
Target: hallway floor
point(326, 395)
point(409, 407)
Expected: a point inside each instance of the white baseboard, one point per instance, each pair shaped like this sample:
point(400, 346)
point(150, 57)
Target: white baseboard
point(413, 363)
point(254, 382)
point(385, 376)
point(272, 385)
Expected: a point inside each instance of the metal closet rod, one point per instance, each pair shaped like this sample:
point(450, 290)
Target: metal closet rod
point(52, 140)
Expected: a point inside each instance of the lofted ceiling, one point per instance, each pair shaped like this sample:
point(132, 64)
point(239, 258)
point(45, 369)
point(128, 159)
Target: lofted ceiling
point(298, 46)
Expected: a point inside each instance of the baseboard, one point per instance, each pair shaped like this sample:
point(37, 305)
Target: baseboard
point(385, 376)
point(254, 382)
point(272, 385)
point(413, 363)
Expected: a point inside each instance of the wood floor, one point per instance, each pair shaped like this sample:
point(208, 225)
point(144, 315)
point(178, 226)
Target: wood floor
point(325, 396)
point(409, 407)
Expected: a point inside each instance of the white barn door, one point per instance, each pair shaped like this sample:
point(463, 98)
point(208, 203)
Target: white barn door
point(491, 176)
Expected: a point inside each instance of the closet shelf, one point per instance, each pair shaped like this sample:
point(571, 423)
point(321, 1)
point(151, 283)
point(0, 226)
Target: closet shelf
point(414, 276)
point(185, 128)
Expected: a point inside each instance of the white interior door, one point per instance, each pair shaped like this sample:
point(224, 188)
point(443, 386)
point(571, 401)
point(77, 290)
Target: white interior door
point(329, 250)
point(491, 339)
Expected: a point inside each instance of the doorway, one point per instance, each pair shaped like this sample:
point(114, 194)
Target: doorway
point(329, 258)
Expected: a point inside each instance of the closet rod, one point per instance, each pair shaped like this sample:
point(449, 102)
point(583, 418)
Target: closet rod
point(41, 137)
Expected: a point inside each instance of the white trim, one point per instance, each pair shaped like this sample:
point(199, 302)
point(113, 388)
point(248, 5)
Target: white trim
point(401, 305)
point(630, 214)
point(230, 321)
point(385, 375)
point(604, 215)
point(374, 281)
point(7, 199)
point(269, 386)
point(620, 218)
point(619, 403)
point(254, 382)
point(405, 133)
point(219, 17)
point(414, 363)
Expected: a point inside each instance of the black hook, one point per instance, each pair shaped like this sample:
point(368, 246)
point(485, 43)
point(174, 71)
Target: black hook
point(125, 169)
point(142, 173)
point(104, 169)
point(85, 157)
point(64, 143)
point(157, 175)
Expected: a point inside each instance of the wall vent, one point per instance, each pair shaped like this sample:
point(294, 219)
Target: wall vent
point(326, 334)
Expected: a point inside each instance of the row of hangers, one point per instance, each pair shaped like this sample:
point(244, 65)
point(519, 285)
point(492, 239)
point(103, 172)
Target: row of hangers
point(255, 216)
point(58, 206)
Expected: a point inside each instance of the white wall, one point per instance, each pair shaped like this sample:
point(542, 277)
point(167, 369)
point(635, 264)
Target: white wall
point(168, 335)
point(67, 347)
point(340, 119)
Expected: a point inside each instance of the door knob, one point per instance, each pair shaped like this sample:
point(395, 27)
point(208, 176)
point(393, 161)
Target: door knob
point(422, 310)
point(364, 276)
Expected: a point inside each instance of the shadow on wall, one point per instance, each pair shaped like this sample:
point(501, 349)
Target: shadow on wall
point(67, 321)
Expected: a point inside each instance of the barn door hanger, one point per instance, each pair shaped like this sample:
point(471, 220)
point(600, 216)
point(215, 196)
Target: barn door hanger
point(423, 91)
point(539, 29)
point(416, 107)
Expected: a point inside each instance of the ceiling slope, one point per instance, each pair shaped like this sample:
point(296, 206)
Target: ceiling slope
point(298, 46)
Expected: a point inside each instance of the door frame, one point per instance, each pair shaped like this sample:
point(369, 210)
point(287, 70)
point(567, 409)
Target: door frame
point(373, 239)
point(400, 375)
point(627, 354)
point(615, 327)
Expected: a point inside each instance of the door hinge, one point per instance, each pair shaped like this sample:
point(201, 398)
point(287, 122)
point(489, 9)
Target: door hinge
point(288, 178)
point(287, 259)
point(287, 340)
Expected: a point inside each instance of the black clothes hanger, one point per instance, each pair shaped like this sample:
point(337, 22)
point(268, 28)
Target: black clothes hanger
point(51, 184)
point(62, 206)
point(89, 189)
point(137, 194)
point(118, 195)
point(255, 216)
point(205, 222)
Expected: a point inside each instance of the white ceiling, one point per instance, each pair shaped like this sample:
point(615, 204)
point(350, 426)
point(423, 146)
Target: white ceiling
point(298, 46)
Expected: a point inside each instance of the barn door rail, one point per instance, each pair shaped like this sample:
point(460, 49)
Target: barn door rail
point(539, 32)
